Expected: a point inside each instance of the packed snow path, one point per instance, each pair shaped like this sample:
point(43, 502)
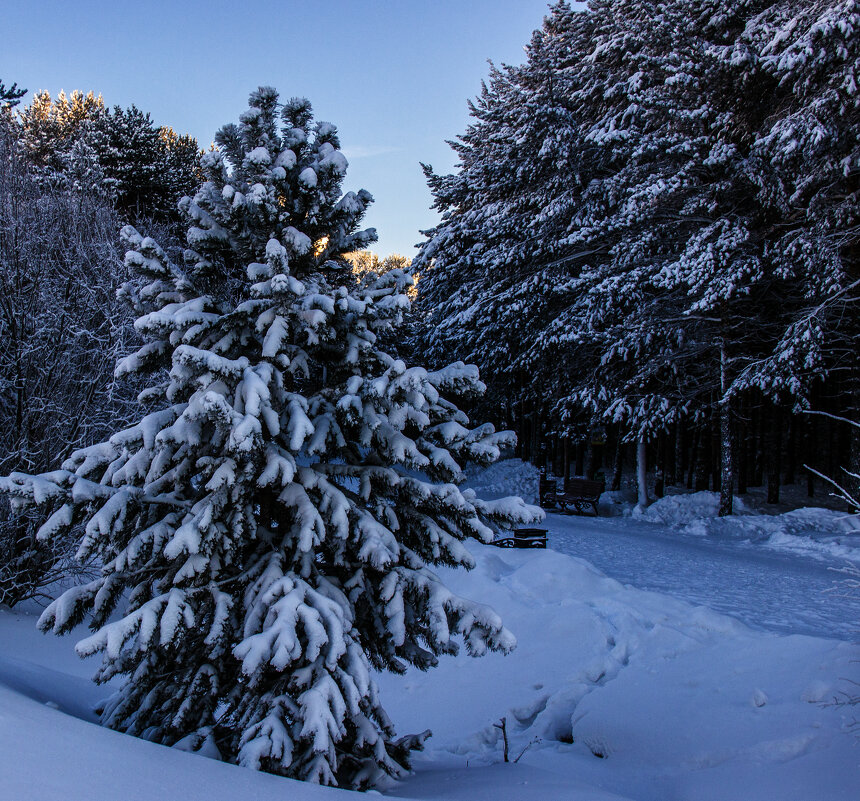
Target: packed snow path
point(768, 589)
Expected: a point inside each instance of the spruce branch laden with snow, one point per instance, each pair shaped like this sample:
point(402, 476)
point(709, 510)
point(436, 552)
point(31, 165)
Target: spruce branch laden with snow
point(267, 529)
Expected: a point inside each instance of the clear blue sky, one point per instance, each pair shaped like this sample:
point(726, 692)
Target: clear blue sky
point(393, 76)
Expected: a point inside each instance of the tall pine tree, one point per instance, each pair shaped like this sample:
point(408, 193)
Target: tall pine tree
point(266, 531)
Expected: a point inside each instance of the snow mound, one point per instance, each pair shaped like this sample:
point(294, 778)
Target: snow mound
point(504, 478)
point(674, 510)
point(819, 533)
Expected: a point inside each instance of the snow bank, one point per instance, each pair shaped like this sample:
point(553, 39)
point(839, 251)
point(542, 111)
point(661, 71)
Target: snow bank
point(812, 531)
point(53, 748)
point(49, 756)
point(639, 694)
point(676, 510)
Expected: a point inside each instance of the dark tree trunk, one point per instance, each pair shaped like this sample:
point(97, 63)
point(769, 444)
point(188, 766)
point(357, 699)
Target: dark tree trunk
point(726, 433)
point(791, 451)
point(760, 447)
point(853, 413)
point(565, 473)
point(832, 443)
point(619, 463)
point(660, 467)
point(726, 459)
point(558, 462)
point(589, 459)
point(524, 444)
point(703, 463)
point(642, 473)
point(596, 460)
point(678, 473)
point(716, 465)
point(809, 452)
point(741, 434)
point(694, 458)
point(774, 454)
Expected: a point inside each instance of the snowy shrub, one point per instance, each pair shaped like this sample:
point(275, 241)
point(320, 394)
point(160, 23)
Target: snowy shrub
point(265, 530)
point(61, 330)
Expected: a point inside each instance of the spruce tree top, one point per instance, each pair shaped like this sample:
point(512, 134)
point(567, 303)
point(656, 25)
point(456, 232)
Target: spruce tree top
point(266, 529)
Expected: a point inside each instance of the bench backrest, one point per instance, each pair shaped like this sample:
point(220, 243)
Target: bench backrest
point(583, 487)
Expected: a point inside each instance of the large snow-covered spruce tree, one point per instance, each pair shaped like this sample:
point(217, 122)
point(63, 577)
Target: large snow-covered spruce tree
point(265, 531)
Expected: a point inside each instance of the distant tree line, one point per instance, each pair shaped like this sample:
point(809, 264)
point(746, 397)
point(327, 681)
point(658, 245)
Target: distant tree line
point(652, 238)
point(364, 262)
point(76, 142)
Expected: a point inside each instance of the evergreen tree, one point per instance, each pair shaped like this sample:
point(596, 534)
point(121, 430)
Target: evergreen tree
point(48, 129)
point(11, 96)
point(266, 531)
point(75, 143)
point(144, 169)
point(179, 171)
point(650, 204)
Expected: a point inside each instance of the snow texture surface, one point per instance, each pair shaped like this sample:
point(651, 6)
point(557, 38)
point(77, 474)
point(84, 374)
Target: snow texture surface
point(614, 692)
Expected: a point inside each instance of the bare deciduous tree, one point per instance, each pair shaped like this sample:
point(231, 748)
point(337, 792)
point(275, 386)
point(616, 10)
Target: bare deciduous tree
point(61, 329)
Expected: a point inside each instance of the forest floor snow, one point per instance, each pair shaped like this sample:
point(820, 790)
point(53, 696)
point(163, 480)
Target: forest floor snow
point(634, 690)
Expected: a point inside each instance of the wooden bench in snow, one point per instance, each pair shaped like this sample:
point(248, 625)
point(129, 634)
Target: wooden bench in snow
point(524, 538)
point(579, 494)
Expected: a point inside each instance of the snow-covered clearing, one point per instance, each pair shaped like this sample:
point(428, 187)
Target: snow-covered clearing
point(621, 692)
point(682, 703)
point(776, 572)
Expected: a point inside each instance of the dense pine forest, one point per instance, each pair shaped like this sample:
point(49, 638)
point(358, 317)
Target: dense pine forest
point(652, 237)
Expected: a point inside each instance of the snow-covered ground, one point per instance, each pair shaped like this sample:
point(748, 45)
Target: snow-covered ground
point(615, 691)
point(773, 571)
point(679, 701)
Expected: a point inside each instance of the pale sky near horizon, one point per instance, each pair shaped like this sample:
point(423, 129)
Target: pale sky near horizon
point(394, 77)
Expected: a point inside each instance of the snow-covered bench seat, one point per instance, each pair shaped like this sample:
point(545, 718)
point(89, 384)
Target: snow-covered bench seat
point(524, 538)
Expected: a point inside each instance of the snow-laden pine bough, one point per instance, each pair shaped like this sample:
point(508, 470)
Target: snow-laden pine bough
point(266, 529)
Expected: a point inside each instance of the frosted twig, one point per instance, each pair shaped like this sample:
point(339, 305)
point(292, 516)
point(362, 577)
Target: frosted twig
point(526, 748)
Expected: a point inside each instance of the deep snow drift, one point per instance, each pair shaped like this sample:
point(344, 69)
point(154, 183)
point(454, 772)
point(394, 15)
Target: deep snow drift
point(613, 692)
